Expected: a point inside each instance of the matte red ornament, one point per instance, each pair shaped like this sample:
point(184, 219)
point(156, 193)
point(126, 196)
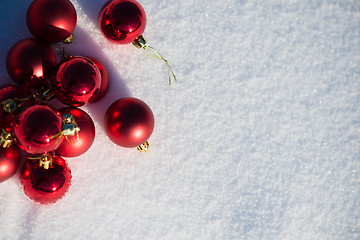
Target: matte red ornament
point(43, 185)
point(129, 122)
point(104, 80)
point(122, 21)
point(74, 146)
point(9, 161)
point(13, 97)
point(51, 20)
point(77, 81)
point(37, 129)
point(31, 62)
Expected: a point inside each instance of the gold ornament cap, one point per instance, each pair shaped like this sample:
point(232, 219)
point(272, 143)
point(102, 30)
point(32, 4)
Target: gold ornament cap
point(144, 147)
point(45, 160)
point(6, 139)
point(140, 42)
point(69, 40)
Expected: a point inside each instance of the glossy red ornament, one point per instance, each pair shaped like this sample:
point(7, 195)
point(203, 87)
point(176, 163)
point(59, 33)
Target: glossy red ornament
point(129, 122)
point(46, 186)
point(104, 80)
point(31, 62)
point(13, 97)
point(51, 20)
point(122, 21)
point(77, 81)
point(37, 129)
point(9, 161)
point(72, 147)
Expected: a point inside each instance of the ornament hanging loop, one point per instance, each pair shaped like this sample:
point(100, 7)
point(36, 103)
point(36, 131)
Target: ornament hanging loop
point(60, 49)
point(141, 43)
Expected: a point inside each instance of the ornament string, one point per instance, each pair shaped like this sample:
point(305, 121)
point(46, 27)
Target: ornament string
point(60, 48)
point(140, 42)
point(10, 105)
point(170, 71)
point(62, 133)
point(44, 161)
point(61, 51)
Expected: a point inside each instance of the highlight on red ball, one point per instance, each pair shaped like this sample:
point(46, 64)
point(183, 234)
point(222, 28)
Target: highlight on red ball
point(31, 62)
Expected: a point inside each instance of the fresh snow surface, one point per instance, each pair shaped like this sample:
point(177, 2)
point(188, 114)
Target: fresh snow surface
point(258, 138)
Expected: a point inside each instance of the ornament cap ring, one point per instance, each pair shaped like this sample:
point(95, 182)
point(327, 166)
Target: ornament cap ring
point(140, 42)
point(144, 147)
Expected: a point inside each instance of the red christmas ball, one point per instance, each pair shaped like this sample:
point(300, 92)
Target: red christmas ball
point(37, 129)
point(77, 81)
point(129, 122)
point(46, 185)
point(104, 80)
point(31, 62)
point(75, 145)
point(13, 97)
point(122, 21)
point(9, 161)
point(51, 20)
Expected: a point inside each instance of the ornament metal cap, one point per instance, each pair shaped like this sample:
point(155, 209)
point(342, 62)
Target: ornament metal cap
point(140, 42)
point(69, 128)
point(144, 147)
point(45, 160)
point(10, 105)
point(6, 139)
point(69, 40)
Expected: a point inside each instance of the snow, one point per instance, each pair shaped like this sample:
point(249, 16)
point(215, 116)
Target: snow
point(258, 139)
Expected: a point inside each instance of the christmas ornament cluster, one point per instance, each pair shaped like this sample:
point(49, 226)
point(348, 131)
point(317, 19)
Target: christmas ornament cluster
point(35, 136)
